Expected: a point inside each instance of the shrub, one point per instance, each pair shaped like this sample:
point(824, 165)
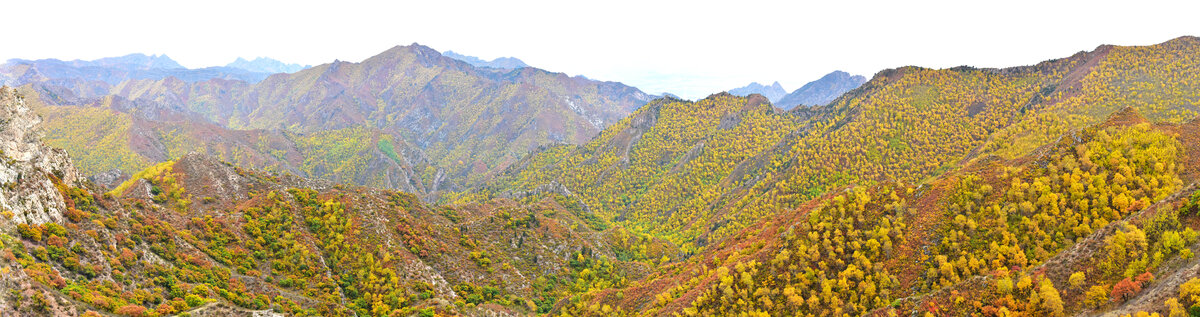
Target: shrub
point(33, 233)
point(131, 310)
point(1077, 280)
point(1051, 301)
point(1125, 289)
point(1189, 292)
point(1095, 296)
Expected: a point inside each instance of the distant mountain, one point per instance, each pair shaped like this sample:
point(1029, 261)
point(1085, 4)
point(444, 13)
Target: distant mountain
point(471, 121)
point(112, 71)
point(408, 118)
point(132, 62)
point(821, 91)
point(773, 92)
point(502, 62)
point(266, 65)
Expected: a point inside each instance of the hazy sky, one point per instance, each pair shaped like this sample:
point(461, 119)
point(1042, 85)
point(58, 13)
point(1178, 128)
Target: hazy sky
point(691, 48)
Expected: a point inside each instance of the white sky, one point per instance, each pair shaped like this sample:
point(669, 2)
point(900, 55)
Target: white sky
point(690, 48)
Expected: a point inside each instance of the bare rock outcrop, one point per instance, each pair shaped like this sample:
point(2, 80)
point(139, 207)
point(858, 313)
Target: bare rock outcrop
point(28, 167)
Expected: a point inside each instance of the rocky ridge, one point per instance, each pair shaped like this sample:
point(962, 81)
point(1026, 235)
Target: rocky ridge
point(25, 156)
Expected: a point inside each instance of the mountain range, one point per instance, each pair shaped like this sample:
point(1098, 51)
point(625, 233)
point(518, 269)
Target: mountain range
point(265, 65)
point(408, 118)
point(130, 62)
point(1065, 187)
point(95, 77)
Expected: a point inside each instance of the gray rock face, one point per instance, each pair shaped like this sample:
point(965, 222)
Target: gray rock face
point(774, 92)
point(822, 91)
point(27, 167)
point(109, 179)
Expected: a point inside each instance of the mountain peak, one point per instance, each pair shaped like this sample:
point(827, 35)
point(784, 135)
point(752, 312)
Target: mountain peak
point(414, 48)
point(417, 47)
point(837, 74)
point(773, 92)
point(425, 54)
point(821, 91)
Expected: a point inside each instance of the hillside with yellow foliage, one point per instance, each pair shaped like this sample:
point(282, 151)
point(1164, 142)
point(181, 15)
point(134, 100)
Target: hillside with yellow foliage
point(900, 133)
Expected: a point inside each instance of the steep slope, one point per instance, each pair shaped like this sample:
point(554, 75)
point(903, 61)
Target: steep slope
point(774, 92)
point(200, 236)
point(821, 91)
point(33, 200)
point(29, 173)
point(1159, 81)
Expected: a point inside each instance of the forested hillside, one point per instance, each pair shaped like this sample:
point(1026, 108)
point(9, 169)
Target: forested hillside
point(1084, 225)
point(899, 134)
point(662, 169)
point(202, 237)
point(905, 125)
